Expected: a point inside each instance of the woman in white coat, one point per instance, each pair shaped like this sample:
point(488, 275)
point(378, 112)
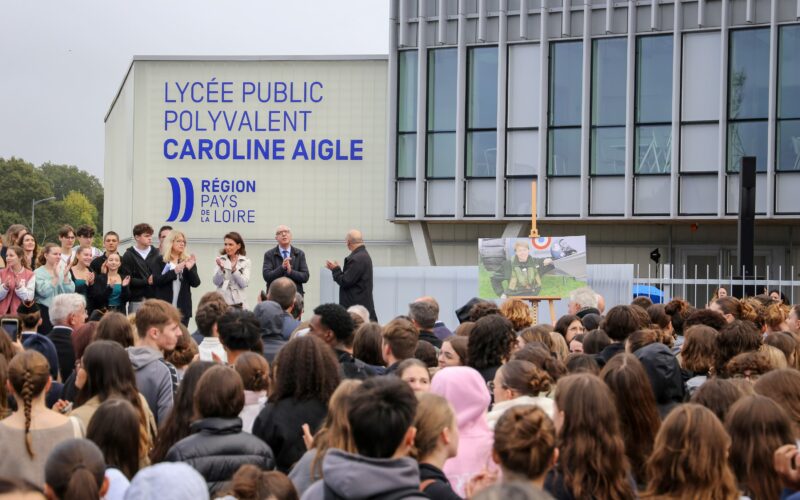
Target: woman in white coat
point(232, 273)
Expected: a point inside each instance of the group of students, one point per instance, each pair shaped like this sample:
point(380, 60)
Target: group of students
point(643, 400)
point(108, 280)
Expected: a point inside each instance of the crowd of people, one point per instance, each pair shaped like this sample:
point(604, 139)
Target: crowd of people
point(272, 402)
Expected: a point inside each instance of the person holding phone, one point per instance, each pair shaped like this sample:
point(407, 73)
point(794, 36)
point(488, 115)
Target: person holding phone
point(110, 290)
point(175, 274)
point(51, 279)
point(17, 284)
point(232, 274)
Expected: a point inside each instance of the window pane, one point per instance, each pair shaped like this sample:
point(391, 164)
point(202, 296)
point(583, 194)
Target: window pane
point(653, 149)
point(523, 85)
point(518, 196)
point(481, 195)
point(564, 152)
point(441, 155)
point(699, 147)
point(700, 76)
point(608, 151)
point(608, 81)
point(788, 145)
point(522, 151)
point(748, 74)
point(654, 79)
point(407, 155)
point(407, 92)
point(406, 198)
point(482, 87)
point(442, 75)
point(440, 198)
point(789, 72)
point(481, 154)
point(566, 70)
point(747, 139)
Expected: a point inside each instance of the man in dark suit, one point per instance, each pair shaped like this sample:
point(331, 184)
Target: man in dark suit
point(285, 261)
point(68, 313)
point(355, 280)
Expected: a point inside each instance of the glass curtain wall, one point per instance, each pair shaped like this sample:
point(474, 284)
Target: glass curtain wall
point(788, 147)
point(748, 97)
point(653, 138)
point(407, 115)
point(482, 112)
point(564, 110)
point(441, 119)
point(609, 65)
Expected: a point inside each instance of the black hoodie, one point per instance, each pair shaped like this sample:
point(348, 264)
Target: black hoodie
point(665, 375)
point(138, 269)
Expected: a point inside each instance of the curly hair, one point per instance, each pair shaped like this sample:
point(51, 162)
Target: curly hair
point(592, 457)
point(747, 365)
point(207, 315)
point(240, 330)
point(338, 320)
point(517, 312)
point(490, 342)
point(739, 309)
point(305, 368)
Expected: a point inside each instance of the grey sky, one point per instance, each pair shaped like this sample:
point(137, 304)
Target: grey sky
point(62, 62)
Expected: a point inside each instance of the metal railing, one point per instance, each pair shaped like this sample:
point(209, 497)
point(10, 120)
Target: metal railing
point(697, 284)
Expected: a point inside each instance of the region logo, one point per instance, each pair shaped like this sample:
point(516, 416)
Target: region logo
point(188, 193)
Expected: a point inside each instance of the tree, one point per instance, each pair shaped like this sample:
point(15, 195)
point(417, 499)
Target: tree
point(77, 210)
point(67, 178)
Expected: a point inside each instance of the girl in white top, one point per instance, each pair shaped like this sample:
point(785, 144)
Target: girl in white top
point(519, 383)
point(232, 274)
point(254, 370)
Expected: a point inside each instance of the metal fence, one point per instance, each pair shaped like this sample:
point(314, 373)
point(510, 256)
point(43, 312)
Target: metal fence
point(697, 284)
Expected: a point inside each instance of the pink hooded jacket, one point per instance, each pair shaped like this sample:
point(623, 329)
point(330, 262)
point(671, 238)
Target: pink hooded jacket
point(466, 390)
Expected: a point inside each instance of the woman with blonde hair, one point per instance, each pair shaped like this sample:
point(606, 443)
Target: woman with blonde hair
point(517, 312)
point(334, 433)
point(690, 458)
point(435, 443)
point(175, 274)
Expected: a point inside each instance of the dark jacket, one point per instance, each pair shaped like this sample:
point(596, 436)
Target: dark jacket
point(356, 477)
point(440, 487)
point(355, 281)
point(61, 336)
point(100, 292)
point(139, 270)
point(441, 331)
point(217, 448)
point(162, 283)
point(665, 375)
point(555, 485)
point(270, 316)
point(351, 367)
point(97, 263)
point(280, 425)
point(273, 267)
point(431, 338)
point(609, 352)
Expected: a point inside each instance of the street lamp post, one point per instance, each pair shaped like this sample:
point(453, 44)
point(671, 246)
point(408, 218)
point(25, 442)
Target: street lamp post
point(33, 208)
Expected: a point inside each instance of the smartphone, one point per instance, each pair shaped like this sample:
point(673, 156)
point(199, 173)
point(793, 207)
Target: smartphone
point(11, 326)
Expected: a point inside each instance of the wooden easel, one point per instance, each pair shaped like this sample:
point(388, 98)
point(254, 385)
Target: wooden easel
point(534, 301)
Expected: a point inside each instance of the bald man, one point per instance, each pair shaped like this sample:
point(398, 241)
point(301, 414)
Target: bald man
point(355, 280)
point(285, 261)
